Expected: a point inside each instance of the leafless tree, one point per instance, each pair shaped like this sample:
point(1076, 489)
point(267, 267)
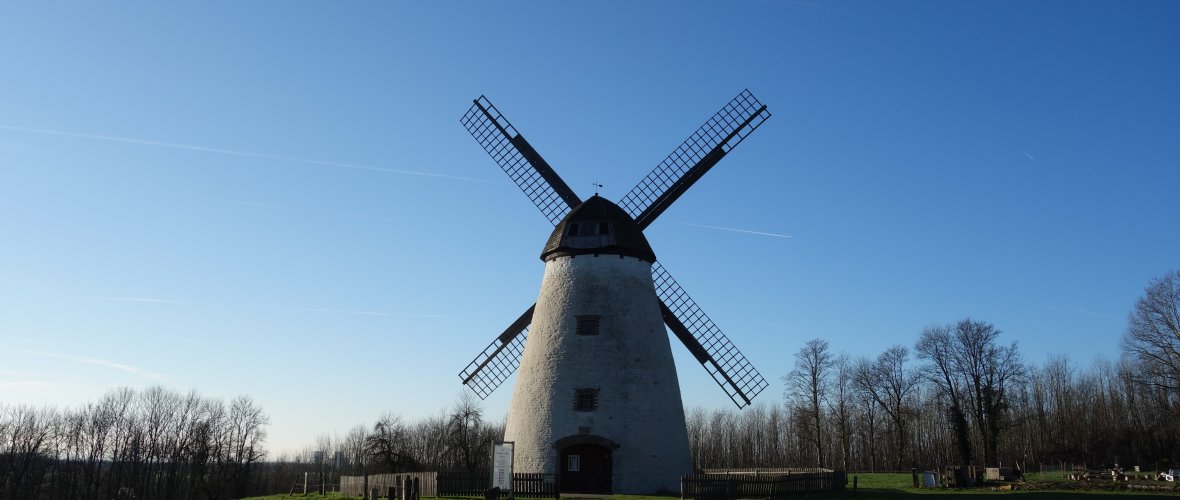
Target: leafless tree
point(1153, 333)
point(387, 444)
point(888, 382)
point(936, 347)
point(840, 407)
point(974, 372)
point(463, 436)
point(807, 383)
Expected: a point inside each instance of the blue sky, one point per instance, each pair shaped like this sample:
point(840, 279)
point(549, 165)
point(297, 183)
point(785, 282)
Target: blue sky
point(276, 198)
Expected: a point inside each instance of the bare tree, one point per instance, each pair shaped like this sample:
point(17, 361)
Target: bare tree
point(463, 431)
point(1153, 333)
point(387, 444)
point(840, 407)
point(942, 369)
point(889, 383)
point(808, 384)
point(974, 372)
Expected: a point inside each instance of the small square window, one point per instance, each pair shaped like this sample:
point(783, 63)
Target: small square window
point(585, 399)
point(574, 463)
point(588, 324)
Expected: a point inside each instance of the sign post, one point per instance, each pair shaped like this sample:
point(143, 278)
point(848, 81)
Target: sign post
point(502, 455)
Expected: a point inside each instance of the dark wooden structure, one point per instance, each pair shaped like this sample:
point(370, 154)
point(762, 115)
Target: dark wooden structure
point(769, 484)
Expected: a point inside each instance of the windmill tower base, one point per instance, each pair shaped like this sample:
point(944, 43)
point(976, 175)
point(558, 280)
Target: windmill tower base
point(597, 401)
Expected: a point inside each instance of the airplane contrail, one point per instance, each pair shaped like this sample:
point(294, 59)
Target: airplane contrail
point(247, 154)
point(101, 362)
point(358, 312)
point(288, 208)
point(138, 299)
point(281, 308)
point(736, 230)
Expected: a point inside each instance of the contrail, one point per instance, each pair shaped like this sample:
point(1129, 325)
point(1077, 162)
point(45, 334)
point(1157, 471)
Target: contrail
point(280, 308)
point(1087, 312)
point(360, 313)
point(736, 230)
point(285, 207)
point(138, 299)
point(1028, 155)
point(247, 154)
point(101, 362)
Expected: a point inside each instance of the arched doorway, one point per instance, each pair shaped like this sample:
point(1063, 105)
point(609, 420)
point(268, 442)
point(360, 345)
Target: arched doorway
point(585, 468)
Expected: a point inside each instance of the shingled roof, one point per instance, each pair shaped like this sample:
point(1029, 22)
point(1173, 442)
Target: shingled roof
point(597, 226)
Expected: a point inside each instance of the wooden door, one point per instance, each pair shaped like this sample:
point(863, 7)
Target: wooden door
point(586, 468)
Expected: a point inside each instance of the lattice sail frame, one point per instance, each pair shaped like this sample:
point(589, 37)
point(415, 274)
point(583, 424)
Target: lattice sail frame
point(696, 155)
point(519, 160)
point(692, 159)
point(724, 362)
point(498, 361)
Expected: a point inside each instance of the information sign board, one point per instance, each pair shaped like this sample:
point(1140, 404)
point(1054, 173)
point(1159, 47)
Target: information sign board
point(502, 465)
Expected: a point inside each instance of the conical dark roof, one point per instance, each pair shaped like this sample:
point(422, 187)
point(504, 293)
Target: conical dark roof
point(598, 226)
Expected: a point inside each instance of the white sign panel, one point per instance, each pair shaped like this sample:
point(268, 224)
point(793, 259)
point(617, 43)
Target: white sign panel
point(502, 465)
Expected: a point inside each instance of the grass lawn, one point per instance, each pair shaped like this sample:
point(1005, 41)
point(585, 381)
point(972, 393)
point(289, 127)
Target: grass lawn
point(878, 485)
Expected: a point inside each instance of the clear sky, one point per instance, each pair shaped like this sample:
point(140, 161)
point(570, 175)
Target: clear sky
point(277, 198)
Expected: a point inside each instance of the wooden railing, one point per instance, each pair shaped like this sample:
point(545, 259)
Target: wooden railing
point(525, 485)
point(729, 485)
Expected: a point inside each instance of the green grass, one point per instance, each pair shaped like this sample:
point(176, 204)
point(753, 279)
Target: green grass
point(1046, 485)
point(887, 486)
point(337, 496)
point(316, 496)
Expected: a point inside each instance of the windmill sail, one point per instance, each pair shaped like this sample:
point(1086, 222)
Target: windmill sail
point(531, 173)
point(667, 182)
point(694, 157)
point(724, 362)
point(499, 359)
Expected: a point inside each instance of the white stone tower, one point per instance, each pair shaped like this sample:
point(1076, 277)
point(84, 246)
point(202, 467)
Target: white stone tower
point(597, 400)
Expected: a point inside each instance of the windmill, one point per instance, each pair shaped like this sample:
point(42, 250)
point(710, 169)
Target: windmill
point(597, 401)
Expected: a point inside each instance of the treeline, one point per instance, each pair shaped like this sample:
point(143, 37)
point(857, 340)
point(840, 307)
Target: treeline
point(157, 443)
point(1061, 414)
point(959, 395)
point(153, 443)
point(456, 439)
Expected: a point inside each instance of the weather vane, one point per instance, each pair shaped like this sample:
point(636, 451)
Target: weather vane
point(597, 186)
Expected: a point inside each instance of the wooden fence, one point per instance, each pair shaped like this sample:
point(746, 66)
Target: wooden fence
point(463, 483)
point(452, 483)
point(759, 483)
point(534, 485)
point(527, 485)
point(355, 485)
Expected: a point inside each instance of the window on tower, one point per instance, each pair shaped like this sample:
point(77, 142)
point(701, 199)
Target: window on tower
point(585, 399)
point(587, 324)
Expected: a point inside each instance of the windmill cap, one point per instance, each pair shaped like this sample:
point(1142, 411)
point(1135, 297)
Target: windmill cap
point(595, 227)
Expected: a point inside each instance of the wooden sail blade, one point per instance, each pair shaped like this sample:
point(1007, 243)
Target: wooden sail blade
point(724, 362)
point(722, 132)
point(531, 173)
point(499, 359)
